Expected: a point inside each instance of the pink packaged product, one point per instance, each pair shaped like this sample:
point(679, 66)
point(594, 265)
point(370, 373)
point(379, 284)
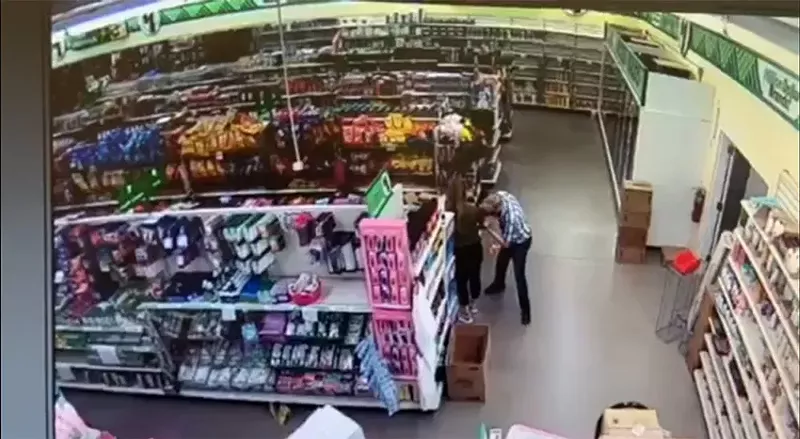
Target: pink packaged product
point(70, 425)
point(388, 263)
point(394, 334)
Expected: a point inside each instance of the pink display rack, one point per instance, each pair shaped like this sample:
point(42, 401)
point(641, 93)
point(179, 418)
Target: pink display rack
point(388, 263)
point(389, 282)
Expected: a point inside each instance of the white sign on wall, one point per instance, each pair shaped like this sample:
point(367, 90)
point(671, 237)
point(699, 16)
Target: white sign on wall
point(781, 89)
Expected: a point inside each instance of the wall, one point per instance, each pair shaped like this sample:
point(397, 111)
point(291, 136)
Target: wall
point(765, 138)
point(768, 141)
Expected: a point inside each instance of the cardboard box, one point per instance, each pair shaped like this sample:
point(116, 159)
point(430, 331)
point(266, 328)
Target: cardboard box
point(631, 255)
point(631, 237)
point(467, 358)
point(638, 220)
point(631, 423)
point(637, 197)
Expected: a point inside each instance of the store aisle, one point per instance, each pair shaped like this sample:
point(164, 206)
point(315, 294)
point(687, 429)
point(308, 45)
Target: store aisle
point(591, 342)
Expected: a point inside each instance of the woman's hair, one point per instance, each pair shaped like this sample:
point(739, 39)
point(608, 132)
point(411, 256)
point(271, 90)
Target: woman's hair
point(455, 194)
point(491, 204)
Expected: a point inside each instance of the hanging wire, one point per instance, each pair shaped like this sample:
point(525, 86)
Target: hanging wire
point(286, 85)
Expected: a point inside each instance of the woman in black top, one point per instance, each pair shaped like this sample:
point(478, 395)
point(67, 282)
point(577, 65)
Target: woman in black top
point(468, 247)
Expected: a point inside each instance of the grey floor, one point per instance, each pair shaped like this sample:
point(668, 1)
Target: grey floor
point(591, 342)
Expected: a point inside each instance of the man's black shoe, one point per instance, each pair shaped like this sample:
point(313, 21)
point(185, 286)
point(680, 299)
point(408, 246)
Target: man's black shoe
point(493, 290)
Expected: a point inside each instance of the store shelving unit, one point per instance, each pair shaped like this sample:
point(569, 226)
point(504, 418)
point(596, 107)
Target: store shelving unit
point(568, 61)
point(119, 355)
point(217, 308)
point(423, 103)
point(747, 352)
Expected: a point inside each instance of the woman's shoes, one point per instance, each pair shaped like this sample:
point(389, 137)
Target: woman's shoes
point(465, 316)
point(467, 313)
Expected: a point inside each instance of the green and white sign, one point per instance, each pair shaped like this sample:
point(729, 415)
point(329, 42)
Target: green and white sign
point(780, 89)
point(773, 84)
point(140, 189)
point(633, 70)
point(378, 194)
point(666, 22)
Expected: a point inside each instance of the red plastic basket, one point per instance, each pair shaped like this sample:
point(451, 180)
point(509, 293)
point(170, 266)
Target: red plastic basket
point(305, 298)
point(686, 262)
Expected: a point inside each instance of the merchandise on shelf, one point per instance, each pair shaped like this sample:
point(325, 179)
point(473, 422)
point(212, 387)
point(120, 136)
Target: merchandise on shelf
point(259, 300)
point(318, 81)
point(406, 273)
point(748, 378)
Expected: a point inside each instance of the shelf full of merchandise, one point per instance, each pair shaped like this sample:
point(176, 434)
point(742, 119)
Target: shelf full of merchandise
point(434, 31)
point(313, 91)
point(748, 376)
point(410, 280)
point(227, 278)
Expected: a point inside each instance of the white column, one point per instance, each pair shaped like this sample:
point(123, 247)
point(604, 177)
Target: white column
point(27, 391)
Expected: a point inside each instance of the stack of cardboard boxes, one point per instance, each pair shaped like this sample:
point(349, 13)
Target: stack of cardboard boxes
point(634, 222)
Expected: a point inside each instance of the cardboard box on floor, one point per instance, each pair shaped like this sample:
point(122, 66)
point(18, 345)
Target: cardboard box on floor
point(631, 423)
point(467, 358)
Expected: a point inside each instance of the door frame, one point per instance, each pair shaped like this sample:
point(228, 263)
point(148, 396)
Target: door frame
point(715, 200)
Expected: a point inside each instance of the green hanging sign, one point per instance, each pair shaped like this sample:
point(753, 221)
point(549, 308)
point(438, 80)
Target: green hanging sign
point(107, 34)
point(139, 191)
point(378, 194)
point(773, 84)
point(630, 66)
point(668, 23)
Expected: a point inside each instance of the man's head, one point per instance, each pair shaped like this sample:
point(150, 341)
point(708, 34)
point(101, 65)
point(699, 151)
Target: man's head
point(492, 204)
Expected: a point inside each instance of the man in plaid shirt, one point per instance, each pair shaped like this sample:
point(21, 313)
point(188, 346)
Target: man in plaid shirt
point(515, 242)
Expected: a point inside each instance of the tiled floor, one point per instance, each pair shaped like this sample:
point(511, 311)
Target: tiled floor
point(591, 342)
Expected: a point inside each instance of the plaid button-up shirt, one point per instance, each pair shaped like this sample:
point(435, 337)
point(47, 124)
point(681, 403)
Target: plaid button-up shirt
point(513, 224)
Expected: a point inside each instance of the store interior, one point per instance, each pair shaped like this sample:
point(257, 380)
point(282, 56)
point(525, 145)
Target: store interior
point(588, 314)
point(250, 221)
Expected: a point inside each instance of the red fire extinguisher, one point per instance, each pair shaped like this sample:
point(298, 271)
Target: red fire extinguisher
point(697, 206)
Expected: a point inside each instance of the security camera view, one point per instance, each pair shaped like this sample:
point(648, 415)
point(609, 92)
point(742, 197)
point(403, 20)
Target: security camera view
point(376, 220)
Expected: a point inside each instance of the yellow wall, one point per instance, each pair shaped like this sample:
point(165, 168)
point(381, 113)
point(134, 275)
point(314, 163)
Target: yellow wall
point(768, 141)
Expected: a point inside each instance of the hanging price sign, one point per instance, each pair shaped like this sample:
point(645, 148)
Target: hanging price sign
point(378, 194)
point(139, 191)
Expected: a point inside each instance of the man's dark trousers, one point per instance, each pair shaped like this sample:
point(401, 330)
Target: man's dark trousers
point(518, 254)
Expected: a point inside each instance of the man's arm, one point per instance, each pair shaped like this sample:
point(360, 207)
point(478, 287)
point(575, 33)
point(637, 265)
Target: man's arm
point(505, 225)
